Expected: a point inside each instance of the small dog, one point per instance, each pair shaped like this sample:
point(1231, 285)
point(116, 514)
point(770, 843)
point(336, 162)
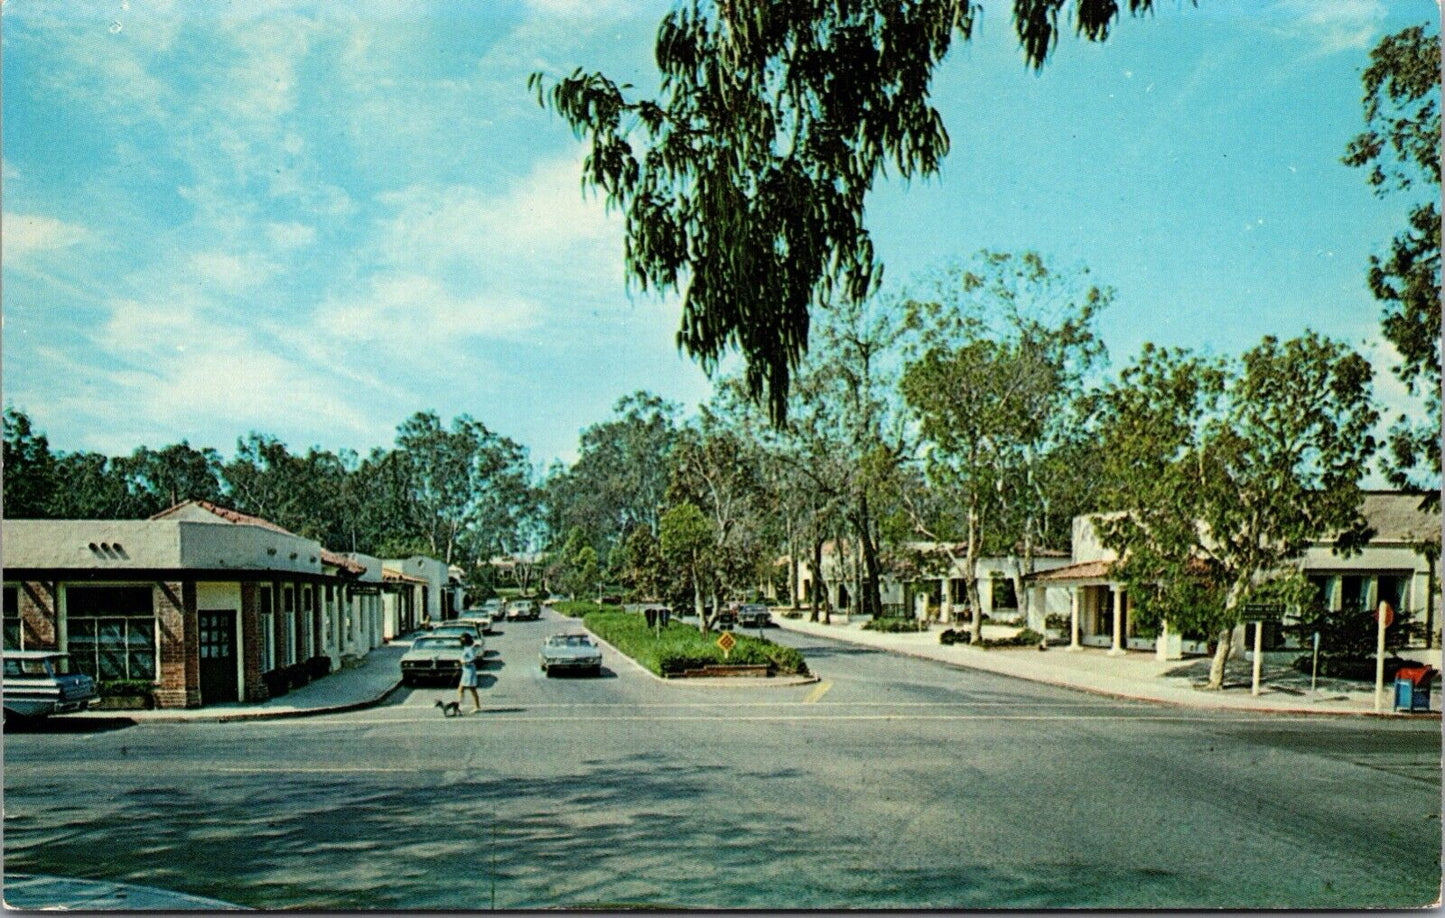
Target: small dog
point(450, 708)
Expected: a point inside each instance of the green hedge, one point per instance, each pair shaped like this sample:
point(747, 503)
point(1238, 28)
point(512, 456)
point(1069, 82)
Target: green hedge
point(895, 625)
point(1025, 638)
point(577, 608)
point(124, 688)
point(681, 647)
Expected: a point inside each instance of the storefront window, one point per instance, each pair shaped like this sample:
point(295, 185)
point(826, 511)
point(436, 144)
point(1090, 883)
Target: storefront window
point(112, 631)
point(13, 632)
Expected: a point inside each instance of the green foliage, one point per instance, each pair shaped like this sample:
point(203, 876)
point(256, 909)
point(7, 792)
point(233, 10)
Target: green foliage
point(577, 608)
point(1025, 638)
point(124, 688)
point(620, 478)
point(642, 571)
point(1228, 470)
point(744, 181)
point(895, 625)
point(680, 647)
point(30, 473)
point(1400, 149)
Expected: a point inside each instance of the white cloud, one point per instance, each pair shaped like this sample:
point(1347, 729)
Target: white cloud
point(23, 235)
point(290, 235)
point(230, 272)
point(1334, 26)
point(412, 308)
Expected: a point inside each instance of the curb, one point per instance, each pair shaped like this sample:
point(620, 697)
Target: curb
point(770, 682)
point(255, 715)
point(1108, 693)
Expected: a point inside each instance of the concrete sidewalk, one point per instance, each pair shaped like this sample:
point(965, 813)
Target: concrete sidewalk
point(348, 689)
point(1135, 675)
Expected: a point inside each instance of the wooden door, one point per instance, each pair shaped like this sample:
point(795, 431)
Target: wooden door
point(218, 656)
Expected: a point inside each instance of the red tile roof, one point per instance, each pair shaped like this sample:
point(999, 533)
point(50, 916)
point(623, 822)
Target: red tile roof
point(399, 577)
point(1084, 570)
point(338, 560)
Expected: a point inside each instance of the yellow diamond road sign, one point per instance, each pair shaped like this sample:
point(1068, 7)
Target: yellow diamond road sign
point(727, 642)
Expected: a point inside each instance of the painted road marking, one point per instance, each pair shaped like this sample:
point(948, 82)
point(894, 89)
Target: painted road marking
point(817, 693)
point(1194, 717)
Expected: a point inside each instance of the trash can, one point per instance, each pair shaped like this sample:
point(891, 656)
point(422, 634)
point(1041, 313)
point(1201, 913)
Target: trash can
point(665, 615)
point(650, 613)
point(1412, 688)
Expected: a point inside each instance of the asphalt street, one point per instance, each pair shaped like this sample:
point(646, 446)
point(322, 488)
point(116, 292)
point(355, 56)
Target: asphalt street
point(890, 783)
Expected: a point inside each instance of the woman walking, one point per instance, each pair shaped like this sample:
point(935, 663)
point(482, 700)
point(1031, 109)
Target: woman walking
point(470, 655)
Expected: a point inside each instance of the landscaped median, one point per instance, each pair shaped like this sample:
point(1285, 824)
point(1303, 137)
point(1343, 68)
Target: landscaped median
point(680, 649)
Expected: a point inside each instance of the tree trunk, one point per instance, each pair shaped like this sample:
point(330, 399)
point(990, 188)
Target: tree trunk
point(872, 593)
point(970, 578)
point(817, 576)
point(697, 604)
point(1221, 656)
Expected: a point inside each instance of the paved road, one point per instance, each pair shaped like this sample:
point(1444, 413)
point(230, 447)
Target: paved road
point(893, 782)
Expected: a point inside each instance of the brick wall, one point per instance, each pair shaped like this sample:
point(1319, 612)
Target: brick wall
point(180, 664)
point(37, 616)
point(253, 688)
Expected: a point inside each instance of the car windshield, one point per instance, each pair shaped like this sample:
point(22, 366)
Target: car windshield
point(436, 643)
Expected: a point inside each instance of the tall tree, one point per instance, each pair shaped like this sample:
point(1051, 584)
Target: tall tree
point(744, 182)
point(29, 468)
point(686, 541)
point(1224, 472)
point(1400, 149)
point(996, 377)
point(621, 474)
point(161, 478)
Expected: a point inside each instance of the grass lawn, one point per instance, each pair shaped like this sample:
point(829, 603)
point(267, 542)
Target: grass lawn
point(682, 647)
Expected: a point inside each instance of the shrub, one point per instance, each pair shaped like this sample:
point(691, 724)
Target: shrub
point(894, 625)
point(124, 688)
point(318, 666)
point(297, 675)
point(276, 681)
point(950, 636)
point(577, 608)
point(1361, 668)
point(1058, 622)
point(1025, 638)
point(680, 647)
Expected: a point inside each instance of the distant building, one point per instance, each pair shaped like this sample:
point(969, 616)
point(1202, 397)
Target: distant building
point(1399, 565)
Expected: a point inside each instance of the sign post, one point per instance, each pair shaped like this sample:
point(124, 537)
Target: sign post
point(1259, 613)
point(1384, 617)
point(726, 641)
point(1315, 666)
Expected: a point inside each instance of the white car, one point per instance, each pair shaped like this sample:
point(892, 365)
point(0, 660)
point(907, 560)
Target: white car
point(434, 658)
point(479, 617)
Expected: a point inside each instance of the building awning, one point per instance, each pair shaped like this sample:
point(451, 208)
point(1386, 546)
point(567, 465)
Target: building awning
point(1084, 572)
point(391, 576)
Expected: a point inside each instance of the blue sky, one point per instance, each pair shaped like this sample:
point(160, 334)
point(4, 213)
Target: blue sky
point(312, 220)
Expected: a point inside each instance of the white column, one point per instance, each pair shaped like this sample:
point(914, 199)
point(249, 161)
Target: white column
point(1074, 619)
point(1118, 647)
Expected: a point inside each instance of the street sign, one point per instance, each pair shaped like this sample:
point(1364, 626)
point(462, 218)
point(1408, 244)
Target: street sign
point(727, 642)
point(1261, 612)
point(1387, 611)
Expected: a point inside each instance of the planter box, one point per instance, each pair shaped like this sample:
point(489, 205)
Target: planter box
point(722, 669)
point(123, 703)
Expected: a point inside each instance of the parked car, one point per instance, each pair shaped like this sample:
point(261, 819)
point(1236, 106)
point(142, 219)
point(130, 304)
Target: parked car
point(457, 627)
point(754, 615)
point(433, 658)
point(480, 617)
point(493, 606)
point(519, 610)
point(40, 682)
point(726, 619)
point(571, 653)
